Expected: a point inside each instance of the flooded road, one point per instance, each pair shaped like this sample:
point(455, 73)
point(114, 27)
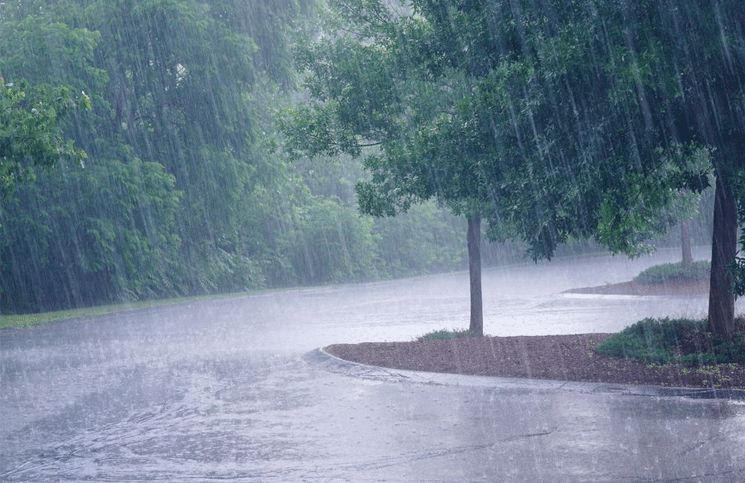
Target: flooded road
point(221, 389)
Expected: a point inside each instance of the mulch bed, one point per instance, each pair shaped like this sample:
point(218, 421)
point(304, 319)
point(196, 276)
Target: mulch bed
point(558, 357)
point(681, 288)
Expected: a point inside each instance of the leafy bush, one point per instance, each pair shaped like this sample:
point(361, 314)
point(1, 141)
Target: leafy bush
point(669, 272)
point(665, 341)
point(444, 334)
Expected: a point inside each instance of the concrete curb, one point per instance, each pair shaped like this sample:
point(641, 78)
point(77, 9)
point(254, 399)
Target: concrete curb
point(337, 365)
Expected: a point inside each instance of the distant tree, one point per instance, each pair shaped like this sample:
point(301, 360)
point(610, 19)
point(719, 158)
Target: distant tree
point(184, 84)
point(189, 82)
point(77, 236)
point(78, 227)
point(182, 190)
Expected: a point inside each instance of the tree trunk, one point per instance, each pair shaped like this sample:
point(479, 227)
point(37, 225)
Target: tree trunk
point(723, 252)
point(685, 242)
point(474, 269)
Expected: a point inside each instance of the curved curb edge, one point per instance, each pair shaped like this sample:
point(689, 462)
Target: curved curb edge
point(338, 365)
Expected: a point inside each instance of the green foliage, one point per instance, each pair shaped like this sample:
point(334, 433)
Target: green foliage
point(675, 272)
point(444, 334)
point(468, 108)
point(632, 215)
point(654, 341)
point(554, 120)
point(332, 243)
point(369, 99)
point(183, 189)
point(30, 129)
point(557, 126)
point(184, 86)
point(426, 239)
point(731, 351)
point(666, 341)
point(77, 236)
point(41, 48)
point(554, 100)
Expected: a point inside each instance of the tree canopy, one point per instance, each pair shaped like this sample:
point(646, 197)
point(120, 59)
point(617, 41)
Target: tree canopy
point(140, 153)
point(558, 119)
point(30, 131)
point(167, 180)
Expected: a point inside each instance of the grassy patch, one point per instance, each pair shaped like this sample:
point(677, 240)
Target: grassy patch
point(675, 272)
point(444, 334)
point(681, 341)
point(30, 320)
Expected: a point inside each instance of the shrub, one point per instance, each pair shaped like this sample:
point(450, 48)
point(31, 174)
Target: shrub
point(675, 272)
point(665, 341)
point(444, 334)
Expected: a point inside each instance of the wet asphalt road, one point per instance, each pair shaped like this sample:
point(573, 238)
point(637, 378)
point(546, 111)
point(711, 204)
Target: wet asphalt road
point(224, 389)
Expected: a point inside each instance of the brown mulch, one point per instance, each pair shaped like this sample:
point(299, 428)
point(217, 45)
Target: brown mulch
point(558, 357)
point(682, 288)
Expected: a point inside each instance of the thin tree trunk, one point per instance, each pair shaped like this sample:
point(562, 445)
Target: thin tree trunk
point(723, 252)
point(685, 242)
point(474, 269)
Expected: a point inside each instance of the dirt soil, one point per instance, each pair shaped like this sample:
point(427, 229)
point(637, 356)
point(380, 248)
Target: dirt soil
point(558, 357)
point(681, 288)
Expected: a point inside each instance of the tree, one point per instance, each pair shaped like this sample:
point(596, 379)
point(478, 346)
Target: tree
point(77, 236)
point(368, 99)
point(612, 98)
point(681, 66)
point(78, 227)
point(580, 119)
point(184, 84)
point(189, 86)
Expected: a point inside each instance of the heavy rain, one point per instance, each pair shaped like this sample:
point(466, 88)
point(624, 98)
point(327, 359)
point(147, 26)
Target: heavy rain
point(389, 240)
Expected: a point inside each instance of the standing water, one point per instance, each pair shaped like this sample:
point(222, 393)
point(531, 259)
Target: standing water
point(221, 389)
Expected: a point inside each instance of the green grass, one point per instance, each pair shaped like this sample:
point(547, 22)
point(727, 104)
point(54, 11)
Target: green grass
point(444, 334)
point(675, 272)
point(30, 320)
point(674, 341)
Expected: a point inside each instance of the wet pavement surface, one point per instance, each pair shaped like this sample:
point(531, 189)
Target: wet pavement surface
point(226, 389)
